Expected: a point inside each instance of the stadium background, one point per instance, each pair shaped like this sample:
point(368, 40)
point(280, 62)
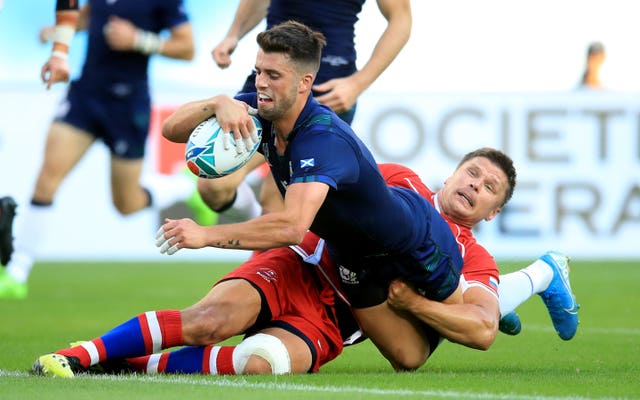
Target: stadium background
point(495, 73)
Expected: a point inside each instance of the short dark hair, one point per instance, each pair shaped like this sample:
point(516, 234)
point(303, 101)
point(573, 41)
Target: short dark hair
point(500, 159)
point(302, 44)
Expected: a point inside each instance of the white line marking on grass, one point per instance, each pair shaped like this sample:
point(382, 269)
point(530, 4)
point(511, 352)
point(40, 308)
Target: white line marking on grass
point(586, 330)
point(241, 383)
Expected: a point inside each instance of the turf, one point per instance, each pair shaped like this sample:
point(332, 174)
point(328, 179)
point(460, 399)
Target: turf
point(74, 301)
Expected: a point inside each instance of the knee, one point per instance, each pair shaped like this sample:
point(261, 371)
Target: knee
point(202, 326)
point(124, 207)
point(257, 365)
point(262, 354)
point(216, 194)
point(402, 359)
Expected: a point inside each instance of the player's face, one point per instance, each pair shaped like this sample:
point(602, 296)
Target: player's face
point(474, 192)
point(276, 85)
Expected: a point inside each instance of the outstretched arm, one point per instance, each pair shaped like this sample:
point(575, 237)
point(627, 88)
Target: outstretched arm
point(248, 15)
point(122, 35)
point(276, 229)
point(342, 93)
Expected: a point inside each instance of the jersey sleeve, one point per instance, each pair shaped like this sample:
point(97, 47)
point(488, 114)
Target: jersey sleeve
point(401, 176)
point(480, 269)
point(174, 14)
point(320, 155)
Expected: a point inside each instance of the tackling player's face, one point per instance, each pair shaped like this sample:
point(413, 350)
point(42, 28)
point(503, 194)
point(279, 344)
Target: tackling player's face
point(276, 84)
point(474, 192)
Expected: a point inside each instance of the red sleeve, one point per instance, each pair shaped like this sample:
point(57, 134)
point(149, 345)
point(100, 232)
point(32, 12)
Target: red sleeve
point(401, 176)
point(480, 268)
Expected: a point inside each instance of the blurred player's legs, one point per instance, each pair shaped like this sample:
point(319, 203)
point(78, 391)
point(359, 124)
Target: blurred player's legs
point(9, 287)
point(231, 196)
point(7, 213)
point(202, 213)
point(65, 147)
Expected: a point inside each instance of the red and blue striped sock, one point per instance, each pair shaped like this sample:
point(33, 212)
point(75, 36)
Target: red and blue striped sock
point(213, 360)
point(147, 333)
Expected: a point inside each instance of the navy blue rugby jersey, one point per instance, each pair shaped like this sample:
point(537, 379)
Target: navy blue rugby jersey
point(104, 66)
point(361, 215)
point(336, 19)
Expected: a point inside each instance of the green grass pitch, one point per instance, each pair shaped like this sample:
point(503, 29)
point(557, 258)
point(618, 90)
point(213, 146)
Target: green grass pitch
point(76, 301)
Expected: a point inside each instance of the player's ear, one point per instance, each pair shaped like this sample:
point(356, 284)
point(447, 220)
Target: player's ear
point(493, 214)
point(305, 83)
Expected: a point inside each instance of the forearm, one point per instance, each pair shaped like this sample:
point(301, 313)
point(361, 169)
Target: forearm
point(180, 44)
point(248, 16)
point(65, 28)
point(388, 46)
point(179, 125)
point(268, 231)
point(275, 229)
point(466, 324)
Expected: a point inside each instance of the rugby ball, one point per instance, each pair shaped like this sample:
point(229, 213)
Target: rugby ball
point(205, 153)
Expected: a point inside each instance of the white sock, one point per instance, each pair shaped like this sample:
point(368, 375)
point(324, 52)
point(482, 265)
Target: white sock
point(33, 229)
point(166, 190)
point(516, 287)
point(245, 207)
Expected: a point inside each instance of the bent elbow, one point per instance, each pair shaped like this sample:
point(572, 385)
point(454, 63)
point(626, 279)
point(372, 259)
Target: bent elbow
point(293, 234)
point(484, 338)
point(484, 345)
point(189, 54)
point(480, 337)
point(297, 235)
point(170, 131)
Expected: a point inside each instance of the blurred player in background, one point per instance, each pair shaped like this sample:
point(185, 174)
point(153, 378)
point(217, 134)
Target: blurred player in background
point(337, 85)
point(593, 64)
point(109, 102)
point(7, 213)
point(56, 69)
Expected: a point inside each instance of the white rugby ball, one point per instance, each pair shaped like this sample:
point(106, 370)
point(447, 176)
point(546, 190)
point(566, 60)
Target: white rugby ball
point(205, 153)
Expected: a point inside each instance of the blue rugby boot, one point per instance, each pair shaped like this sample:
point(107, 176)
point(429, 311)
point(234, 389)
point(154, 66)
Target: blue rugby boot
point(510, 324)
point(558, 297)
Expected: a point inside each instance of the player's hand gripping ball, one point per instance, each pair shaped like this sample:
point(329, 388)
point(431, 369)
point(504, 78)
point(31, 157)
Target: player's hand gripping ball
point(211, 153)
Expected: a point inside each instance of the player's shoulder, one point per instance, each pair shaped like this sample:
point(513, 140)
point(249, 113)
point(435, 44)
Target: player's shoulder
point(402, 176)
point(476, 256)
point(323, 123)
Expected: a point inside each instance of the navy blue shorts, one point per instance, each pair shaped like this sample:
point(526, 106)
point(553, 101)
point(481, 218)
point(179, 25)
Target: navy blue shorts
point(433, 270)
point(117, 114)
